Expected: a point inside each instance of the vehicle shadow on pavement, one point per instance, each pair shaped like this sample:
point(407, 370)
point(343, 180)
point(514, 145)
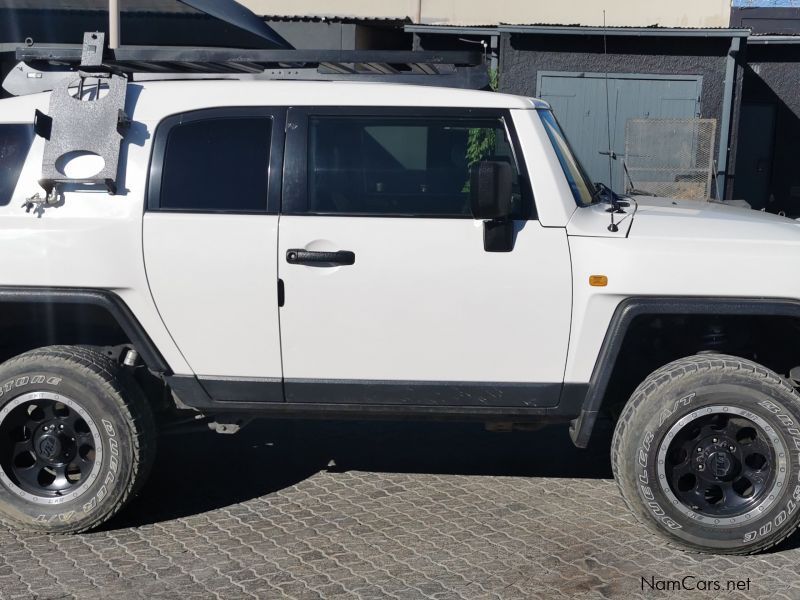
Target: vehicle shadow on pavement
point(198, 472)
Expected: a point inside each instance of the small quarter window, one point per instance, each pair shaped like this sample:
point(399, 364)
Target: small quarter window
point(401, 166)
point(15, 143)
point(217, 165)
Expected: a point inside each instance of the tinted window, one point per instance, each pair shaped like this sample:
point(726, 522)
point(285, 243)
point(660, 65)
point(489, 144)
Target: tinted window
point(217, 165)
point(400, 166)
point(15, 142)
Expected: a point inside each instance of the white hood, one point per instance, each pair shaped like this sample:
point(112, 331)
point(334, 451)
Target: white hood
point(691, 219)
point(668, 218)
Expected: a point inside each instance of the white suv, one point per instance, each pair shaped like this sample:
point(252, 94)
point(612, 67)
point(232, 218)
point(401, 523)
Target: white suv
point(334, 249)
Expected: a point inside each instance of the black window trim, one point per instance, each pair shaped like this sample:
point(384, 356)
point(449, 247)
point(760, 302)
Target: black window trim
point(278, 116)
point(295, 181)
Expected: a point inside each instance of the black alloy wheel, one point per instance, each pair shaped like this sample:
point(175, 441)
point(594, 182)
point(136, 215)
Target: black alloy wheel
point(49, 446)
point(720, 464)
point(705, 454)
point(77, 438)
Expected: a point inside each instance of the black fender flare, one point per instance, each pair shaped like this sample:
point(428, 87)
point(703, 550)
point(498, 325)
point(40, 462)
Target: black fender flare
point(581, 427)
point(105, 299)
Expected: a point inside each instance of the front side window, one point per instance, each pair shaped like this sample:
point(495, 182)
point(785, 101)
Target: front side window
point(15, 142)
point(402, 166)
point(216, 165)
point(579, 182)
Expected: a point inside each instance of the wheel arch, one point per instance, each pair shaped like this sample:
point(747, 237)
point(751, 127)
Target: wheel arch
point(633, 308)
point(49, 304)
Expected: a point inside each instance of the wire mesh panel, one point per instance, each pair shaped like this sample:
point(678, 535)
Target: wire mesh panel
point(671, 157)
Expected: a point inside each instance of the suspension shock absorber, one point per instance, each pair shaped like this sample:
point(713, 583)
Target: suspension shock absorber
point(714, 338)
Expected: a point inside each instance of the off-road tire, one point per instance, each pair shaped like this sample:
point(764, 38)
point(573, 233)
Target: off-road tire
point(113, 400)
point(680, 395)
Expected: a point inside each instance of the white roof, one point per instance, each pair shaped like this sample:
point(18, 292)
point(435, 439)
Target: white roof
point(155, 99)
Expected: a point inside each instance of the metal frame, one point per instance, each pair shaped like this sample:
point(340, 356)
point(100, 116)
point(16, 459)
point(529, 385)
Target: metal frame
point(727, 114)
point(461, 69)
point(709, 172)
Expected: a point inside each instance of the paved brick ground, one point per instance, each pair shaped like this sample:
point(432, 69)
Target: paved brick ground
point(372, 510)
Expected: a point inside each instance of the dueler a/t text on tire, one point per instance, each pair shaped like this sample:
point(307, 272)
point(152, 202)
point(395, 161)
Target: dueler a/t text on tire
point(707, 454)
point(76, 439)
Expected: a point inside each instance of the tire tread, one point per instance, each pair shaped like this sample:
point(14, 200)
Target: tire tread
point(662, 377)
point(126, 393)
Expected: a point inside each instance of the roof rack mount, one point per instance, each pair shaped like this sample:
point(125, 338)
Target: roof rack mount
point(42, 65)
point(87, 119)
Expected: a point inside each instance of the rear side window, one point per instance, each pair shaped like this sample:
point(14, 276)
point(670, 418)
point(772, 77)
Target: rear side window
point(216, 165)
point(15, 142)
point(402, 166)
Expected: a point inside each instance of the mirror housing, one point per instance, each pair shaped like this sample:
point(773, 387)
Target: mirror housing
point(490, 189)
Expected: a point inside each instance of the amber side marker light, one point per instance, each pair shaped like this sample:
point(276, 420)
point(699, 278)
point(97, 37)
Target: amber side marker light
point(598, 280)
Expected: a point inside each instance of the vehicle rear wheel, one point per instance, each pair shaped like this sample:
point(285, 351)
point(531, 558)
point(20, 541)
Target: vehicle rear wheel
point(706, 454)
point(76, 439)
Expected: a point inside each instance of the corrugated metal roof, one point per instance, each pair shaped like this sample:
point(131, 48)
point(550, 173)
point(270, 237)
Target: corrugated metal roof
point(336, 19)
point(773, 39)
point(159, 6)
point(548, 29)
point(172, 6)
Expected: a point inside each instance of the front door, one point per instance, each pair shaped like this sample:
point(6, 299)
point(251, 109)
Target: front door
point(389, 294)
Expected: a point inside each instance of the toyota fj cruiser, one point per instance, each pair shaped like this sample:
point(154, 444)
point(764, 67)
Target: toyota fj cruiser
point(241, 249)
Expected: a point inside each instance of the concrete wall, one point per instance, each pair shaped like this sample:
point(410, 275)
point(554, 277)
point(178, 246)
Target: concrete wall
point(675, 13)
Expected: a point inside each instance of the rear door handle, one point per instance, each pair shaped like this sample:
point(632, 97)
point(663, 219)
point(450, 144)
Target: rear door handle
point(298, 256)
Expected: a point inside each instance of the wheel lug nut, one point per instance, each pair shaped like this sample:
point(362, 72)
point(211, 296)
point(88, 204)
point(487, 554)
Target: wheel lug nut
point(701, 467)
point(714, 440)
point(61, 427)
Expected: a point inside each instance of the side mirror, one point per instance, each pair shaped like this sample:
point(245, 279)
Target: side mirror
point(490, 189)
point(490, 196)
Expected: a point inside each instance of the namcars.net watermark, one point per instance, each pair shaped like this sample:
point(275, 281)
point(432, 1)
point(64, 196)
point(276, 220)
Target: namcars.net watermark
point(691, 583)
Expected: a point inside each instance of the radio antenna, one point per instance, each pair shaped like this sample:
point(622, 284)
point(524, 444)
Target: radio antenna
point(611, 155)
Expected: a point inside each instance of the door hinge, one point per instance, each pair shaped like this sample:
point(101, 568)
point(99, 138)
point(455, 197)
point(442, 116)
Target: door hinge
point(281, 294)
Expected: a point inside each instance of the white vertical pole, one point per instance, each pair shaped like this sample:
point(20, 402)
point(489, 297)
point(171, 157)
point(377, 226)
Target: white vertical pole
point(113, 24)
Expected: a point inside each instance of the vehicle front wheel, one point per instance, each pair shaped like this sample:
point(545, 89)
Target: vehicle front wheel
point(706, 454)
point(76, 439)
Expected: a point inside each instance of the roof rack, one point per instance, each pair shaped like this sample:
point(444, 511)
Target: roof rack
point(41, 65)
point(96, 123)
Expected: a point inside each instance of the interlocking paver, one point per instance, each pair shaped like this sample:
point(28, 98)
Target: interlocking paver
point(408, 511)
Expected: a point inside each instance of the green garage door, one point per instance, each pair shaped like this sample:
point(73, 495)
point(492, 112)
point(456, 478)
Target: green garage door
point(579, 102)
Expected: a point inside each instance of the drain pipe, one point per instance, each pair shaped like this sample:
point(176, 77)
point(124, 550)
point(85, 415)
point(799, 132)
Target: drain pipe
point(725, 125)
point(113, 24)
